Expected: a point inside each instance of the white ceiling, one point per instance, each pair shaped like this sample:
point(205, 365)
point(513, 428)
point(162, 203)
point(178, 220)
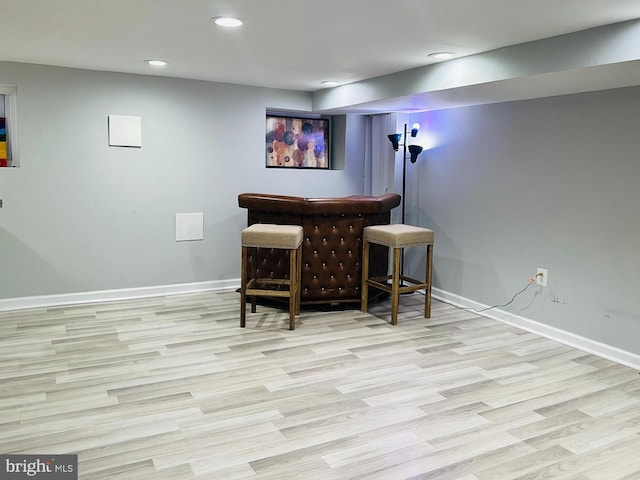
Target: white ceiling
point(285, 43)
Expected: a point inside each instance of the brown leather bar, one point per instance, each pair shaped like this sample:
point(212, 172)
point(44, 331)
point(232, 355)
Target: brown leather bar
point(332, 241)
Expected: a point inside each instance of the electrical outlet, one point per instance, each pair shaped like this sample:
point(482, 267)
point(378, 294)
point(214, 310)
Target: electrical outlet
point(542, 277)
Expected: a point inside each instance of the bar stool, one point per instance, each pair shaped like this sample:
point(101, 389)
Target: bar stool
point(398, 237)
point(285, 237)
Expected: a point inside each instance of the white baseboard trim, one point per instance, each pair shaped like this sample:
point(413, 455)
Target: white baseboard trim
point(571, 339)
point(44, 301)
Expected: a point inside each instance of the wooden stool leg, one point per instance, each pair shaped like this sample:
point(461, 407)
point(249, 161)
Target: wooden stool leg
point(293, 277)
point(243, 288)
point(427, 293)
point(299, 282)
point(364, 288)
point(254, 274)
point(395, 286)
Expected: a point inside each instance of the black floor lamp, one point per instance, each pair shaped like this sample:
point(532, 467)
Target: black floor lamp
point(414, 151)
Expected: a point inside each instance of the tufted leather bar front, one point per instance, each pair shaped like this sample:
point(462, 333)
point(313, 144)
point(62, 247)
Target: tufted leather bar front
point(332, 242)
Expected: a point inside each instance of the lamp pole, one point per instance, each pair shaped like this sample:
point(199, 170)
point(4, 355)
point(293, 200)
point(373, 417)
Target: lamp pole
point(404, 180)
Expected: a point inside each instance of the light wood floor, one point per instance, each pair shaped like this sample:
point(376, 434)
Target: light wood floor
point(172, 388)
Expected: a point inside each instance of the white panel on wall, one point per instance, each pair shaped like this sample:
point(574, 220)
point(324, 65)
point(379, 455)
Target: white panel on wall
point(189, 226)
point(125, 131)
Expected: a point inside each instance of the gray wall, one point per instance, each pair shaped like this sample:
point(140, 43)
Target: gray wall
point(549, 183)
point(82, 216)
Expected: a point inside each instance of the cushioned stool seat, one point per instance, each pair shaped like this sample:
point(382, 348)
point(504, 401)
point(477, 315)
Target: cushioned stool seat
point(398, 237)
point(283, 237)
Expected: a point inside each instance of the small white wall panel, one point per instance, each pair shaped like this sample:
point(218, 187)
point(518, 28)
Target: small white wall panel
point(189, 226)
point(125, 131)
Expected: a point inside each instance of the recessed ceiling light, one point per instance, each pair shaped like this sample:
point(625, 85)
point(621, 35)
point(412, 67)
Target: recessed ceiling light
point(227, 21)
point(442, 55)
point(156, 63)
point(329, 83)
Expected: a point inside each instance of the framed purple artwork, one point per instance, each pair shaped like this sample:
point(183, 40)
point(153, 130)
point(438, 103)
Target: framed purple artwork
point(297, 142)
